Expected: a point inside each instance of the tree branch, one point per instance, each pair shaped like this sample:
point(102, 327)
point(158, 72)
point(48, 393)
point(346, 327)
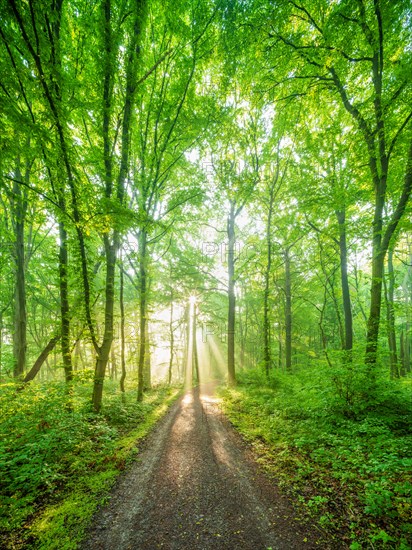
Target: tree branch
point(403, 201)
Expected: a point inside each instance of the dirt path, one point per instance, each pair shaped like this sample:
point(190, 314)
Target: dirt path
point(196, 487)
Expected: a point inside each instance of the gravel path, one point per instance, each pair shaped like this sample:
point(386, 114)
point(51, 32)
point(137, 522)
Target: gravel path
point(196, 486)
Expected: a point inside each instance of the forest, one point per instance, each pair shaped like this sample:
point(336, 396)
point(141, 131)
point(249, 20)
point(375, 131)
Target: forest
point(197, 191)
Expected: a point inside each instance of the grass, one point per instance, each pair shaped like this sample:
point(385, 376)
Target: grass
point(352, 472)
point(58, 460)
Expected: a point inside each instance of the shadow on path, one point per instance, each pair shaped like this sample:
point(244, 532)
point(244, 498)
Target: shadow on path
point(195, 486)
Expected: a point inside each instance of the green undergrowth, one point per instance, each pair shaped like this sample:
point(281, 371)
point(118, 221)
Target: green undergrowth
point(58, 459)
point(351, 472)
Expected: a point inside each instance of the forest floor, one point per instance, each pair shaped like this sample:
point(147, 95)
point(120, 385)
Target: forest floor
point(196, 485)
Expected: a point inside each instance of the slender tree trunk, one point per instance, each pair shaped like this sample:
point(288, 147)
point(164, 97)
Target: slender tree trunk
point(122, 335)
point(375, 308)
point(172, 339)
point(1, 345)
point(194, 346)
point(77, 355)
point(147, 359)
point(19, 204)
point(266, 321)
point(405, 336)
point(20, 313)
point(186, 357)
point(280, 351)
point(113, 365)
point(390, 317)
point(347, 307)
point(232, 297)
point(111, 247)
point(142, 311)
point(41, 359)
point(104, 349)
point(402, 354)
point(64, 304)
point(408, 346)
point(242, 340)
point(288, 311)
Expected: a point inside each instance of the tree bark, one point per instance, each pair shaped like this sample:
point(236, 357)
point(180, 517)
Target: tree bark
point(187, 346)
point(142, 311)
point(231, 295)
point(113, 363)
point(104, 350)
point(347, 307)
point(266, 322)
point(194, 347)
point(1, 345)
point(41, 359)
point(404, 352)
point(288, 311)
point(112, 244)
point(122, 334)
point(147, 359)
point(64, 304)
point(390, 317)
point(19, 204)
point(242, 340)
point(172, 339)
point(379, 157)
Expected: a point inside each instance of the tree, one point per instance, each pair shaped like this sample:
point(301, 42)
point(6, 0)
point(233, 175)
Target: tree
point(236, 168)
point(332, 46)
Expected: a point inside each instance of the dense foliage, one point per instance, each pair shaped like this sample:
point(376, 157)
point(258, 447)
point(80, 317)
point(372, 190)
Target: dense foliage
point(193, 189)
point(58, 460)
point(351, 474)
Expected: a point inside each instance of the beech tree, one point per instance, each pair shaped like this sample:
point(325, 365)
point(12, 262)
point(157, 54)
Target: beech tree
point(357, 53)
point(129, 126)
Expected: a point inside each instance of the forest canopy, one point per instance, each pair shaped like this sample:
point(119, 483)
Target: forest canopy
point(206, 190)
point(254, 155)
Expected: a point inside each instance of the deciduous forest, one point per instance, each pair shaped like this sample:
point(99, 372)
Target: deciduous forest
point(207, 192)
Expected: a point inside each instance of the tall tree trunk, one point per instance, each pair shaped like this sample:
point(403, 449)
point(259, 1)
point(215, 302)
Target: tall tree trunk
point(232, 297)
point(112, 245)
point(172, 339)
point(187, 376)
point(266, 321)
point(402, 354)
point(104, 350)
point(64, 304)
point(194, 346)
point(407, 290)
point(280, 351)
point(142, 311)
point(77, 355)
point(122, 334)
point(390, 317)
point(242, 340)
point(113, 365)
point(408, 347)
point(147, 359)
point(288, 311)
point(1, 345)
point(379, 154)
point(20, 313)
point(347, 307)
point(375, 304)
